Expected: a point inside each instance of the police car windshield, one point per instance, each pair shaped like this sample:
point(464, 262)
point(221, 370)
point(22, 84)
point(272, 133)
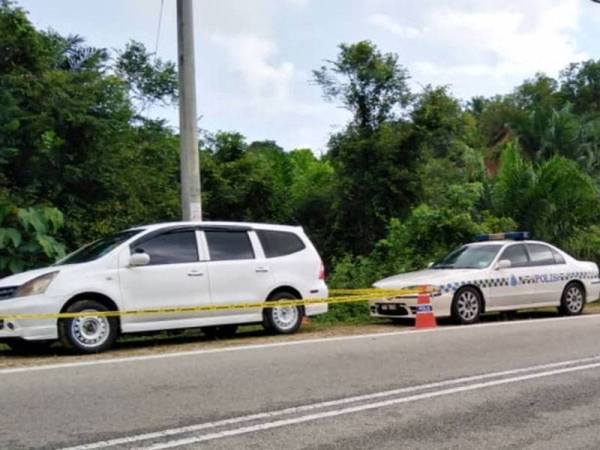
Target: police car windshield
point(469, 257)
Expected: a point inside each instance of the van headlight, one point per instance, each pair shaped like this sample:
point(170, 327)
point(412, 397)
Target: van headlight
point(36, 286)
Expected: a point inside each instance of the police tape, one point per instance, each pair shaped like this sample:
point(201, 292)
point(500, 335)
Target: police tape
point(338, 296)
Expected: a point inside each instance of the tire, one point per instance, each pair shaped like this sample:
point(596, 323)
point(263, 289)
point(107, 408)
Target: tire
point(283, 320)
point(88, 334)
point(572, 300)
point(23, 347)
point(466, 306)
point(220, 331)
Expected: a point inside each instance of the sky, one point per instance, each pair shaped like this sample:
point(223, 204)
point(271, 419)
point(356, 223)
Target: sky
point(254, 58)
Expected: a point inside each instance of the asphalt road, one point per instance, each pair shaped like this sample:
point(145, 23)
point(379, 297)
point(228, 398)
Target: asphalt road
point(532, 384)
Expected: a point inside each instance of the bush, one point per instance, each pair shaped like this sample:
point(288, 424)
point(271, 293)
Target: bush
point(27, 237)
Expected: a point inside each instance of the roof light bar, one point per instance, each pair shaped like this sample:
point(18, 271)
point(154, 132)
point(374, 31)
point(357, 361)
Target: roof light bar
point(511, 235)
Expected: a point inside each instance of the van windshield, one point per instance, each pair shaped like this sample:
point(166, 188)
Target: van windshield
point(96, 249)
point(469, 257)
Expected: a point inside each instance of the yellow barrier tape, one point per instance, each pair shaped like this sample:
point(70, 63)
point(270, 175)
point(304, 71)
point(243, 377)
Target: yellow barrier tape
point(337, 296)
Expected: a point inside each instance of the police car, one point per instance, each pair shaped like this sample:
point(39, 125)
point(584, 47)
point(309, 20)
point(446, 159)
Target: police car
point(498, 272)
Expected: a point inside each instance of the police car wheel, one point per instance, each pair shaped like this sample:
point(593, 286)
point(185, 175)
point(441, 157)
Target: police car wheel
point(466, 306)
point(572, 301)
point(88, 333)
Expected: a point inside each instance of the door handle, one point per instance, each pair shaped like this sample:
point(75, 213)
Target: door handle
point(262, 269)
point(195, 274)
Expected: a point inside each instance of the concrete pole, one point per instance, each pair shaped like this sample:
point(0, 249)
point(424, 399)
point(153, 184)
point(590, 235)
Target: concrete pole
point(188, 136)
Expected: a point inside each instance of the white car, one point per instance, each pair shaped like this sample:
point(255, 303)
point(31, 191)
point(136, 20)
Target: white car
point(165, 266)
point(496, 274)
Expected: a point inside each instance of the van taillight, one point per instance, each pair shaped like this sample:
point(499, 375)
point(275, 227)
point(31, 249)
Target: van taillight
point(322, 272)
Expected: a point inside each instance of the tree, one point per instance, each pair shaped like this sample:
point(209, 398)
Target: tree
point(226, 146)
point(438, 121)
point(368, 83)
point(581, 86)
point(373, 156)
point(375, 180)
point(149, 80)
point(554, 200)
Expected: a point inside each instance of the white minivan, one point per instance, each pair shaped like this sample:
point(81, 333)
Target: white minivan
point(168, 265)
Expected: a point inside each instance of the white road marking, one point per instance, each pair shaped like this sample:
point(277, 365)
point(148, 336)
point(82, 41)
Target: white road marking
point(359, 408)
point(326, 404)
point(237, 348)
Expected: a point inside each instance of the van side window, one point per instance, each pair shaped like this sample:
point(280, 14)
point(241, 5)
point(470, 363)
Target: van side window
point(279, 243)
point(175, 247)
point(541, 255)
point(517, 255)
point(229, 245)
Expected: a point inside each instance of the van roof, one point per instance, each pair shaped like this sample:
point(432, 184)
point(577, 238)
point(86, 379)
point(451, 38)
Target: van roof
point(222, 224)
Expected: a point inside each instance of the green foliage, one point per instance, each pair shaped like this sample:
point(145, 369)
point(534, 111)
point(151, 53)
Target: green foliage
point(27, 237)
point(349, 313)
point(514, 182)
point(148, 79)
point(70, 137)
point(367, 82)
point(585, 244)
point(581, 86)
point(439, 122)
point(553, 200)
point(375, 179)
point(424, 236)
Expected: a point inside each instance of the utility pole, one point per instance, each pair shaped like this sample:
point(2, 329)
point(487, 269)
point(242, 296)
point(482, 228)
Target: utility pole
point(188, 138)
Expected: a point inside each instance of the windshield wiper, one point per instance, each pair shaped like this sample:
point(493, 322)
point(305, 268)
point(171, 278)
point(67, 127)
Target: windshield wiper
point(443, 266)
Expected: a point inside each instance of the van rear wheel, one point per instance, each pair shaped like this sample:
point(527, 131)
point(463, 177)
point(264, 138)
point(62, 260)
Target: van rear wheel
point(283, 319)
point(88, 333)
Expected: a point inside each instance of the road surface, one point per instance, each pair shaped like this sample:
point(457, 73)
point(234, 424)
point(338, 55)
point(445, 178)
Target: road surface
point(530, 384)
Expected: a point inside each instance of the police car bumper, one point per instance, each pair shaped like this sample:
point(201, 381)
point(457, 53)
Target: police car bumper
point(593, 291)
point(406, 307)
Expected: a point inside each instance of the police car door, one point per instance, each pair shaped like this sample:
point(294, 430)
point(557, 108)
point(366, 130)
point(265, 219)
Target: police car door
point(548, 266)
point(513, 290)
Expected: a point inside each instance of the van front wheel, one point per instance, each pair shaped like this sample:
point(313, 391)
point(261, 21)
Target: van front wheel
point(88, 333)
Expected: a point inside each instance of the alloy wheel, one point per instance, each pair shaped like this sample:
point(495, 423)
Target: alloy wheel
point(467, 305)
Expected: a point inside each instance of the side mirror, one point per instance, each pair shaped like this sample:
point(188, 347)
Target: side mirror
point(430, 264)
point(503, 264)
point(139, 259)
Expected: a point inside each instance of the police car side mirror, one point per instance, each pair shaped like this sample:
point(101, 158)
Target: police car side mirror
point(503, 264)
point(430, 265)
point(139, 259)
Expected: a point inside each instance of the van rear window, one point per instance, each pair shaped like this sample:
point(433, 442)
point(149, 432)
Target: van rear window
point(279, 243)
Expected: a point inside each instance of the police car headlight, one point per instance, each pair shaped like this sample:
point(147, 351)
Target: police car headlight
point(36, 286)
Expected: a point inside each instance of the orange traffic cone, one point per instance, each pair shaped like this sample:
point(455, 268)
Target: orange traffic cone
point(425, 318)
